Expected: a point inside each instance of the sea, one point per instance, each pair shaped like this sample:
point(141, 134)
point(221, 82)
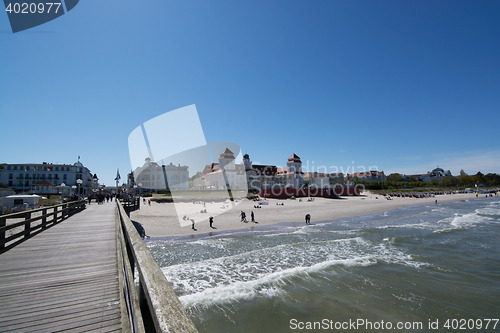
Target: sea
point(432, 268)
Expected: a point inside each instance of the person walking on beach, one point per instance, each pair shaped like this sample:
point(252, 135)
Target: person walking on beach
point(192, 224)
point(211, 220)
point(308, 219)
point(252, 216)
point(243, 216)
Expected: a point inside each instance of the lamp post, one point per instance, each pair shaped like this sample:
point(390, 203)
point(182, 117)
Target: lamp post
point(79, 182)
point(140, 185)
point(73, 189)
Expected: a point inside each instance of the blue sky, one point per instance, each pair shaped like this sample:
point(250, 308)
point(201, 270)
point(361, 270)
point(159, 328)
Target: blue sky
point(402, 86)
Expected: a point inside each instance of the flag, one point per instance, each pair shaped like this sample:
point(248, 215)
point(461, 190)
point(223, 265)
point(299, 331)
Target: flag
point(118, 175)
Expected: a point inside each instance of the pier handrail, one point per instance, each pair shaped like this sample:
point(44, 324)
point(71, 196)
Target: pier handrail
point(58, 214)
point(160, 309)
point(131, 204)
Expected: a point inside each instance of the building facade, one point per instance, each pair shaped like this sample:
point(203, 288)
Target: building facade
point(227, 174)
point(247, 175)
point(152, 176)
point(291, 176)
point(48, 178)
point(378, 176)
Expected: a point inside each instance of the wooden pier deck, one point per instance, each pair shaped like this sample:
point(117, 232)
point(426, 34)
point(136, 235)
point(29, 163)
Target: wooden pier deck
point(65, 278)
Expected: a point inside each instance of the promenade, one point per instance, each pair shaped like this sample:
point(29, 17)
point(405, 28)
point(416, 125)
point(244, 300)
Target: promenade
point(65, 278)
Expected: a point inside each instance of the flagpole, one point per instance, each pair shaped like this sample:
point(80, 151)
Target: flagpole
point(117, 180)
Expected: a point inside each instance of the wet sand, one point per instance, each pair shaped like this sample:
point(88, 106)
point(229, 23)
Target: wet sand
point(160, 219)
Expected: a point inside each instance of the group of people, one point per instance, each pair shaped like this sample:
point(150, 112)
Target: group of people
point(210, 220)
point(243, 216)
point(100, 198)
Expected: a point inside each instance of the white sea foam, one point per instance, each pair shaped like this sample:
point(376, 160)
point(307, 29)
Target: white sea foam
point(262, 271)
point(460, 221)
point(267, 285)
point(491, 211)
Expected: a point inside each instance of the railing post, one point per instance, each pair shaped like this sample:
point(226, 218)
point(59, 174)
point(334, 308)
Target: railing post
point(3, 223)
point(65, 211)
point(44, 219)
point(27, 225)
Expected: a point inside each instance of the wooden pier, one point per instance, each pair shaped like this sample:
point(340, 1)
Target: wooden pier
point(73, 277)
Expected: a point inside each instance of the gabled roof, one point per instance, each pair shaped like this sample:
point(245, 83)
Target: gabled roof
point(43, 182)
point(294, 158)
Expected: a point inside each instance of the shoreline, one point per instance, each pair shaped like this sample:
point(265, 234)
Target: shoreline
point(160, 219)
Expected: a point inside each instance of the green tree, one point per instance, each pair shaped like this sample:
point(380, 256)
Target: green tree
point(394, 177)
point(449, 181)
point(492, 179)
point(478, 178)
point(464, 178)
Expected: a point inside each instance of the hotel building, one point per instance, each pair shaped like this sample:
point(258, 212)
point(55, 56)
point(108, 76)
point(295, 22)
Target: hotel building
point(48, 178)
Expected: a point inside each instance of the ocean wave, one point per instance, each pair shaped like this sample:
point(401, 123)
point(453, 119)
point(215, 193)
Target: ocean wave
point(459, 221)
point(489, 211)
point(262, 271)
point(268, 285)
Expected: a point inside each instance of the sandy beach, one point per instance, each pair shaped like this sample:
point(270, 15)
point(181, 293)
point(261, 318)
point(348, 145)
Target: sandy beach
point(160, 219)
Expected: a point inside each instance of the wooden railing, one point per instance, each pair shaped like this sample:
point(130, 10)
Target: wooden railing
point(44, 218)
point(152, 305)
point(131, 204)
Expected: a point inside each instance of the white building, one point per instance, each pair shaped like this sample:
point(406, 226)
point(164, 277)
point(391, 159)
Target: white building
point(24, 177)
point(436, 174)
point(223, 175)
point(152, 176)
point(246, 175)
point(378, 176)
point(291, 175)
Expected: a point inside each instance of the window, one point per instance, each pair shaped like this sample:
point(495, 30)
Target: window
point(57, 168)
point(8, 167)
point(10, 183)
point(65, 177)
point(10, 175)
point(15, 167)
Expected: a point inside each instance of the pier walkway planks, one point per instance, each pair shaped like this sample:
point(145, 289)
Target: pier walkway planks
point(65, 278)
